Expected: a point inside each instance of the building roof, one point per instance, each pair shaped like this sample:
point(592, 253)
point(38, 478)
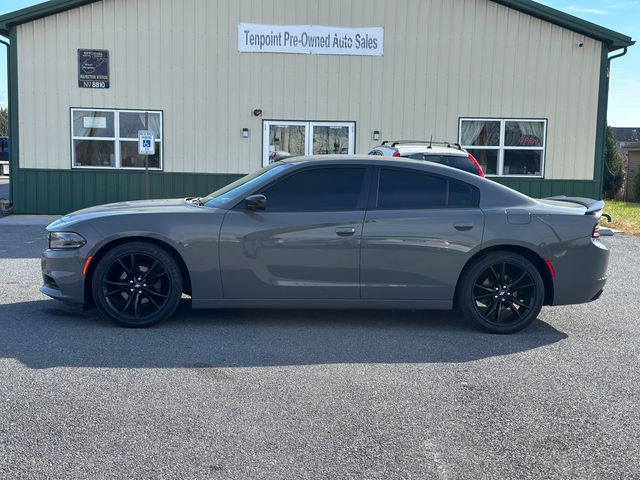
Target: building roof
point(612, 39)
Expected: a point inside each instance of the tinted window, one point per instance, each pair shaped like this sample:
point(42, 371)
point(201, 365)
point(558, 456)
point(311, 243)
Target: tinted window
point(399, 190)
point(317, 190)
point(462, 195)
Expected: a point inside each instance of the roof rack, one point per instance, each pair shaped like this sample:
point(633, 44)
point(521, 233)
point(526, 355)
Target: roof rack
point(393, 143)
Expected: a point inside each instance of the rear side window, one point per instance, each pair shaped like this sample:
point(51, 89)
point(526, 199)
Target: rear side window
point(408, 190)
point(456, 161)
point(317, 190)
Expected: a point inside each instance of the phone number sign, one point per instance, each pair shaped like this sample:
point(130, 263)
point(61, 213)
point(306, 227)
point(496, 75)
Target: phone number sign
point(93, 68)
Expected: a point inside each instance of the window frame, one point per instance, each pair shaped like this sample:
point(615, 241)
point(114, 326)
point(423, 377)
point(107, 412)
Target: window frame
point(374, 196)
point(501, 147)
point(116, 139)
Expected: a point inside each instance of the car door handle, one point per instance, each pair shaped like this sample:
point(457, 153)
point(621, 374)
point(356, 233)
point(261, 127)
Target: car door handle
point(463, 226)
point(345, 231)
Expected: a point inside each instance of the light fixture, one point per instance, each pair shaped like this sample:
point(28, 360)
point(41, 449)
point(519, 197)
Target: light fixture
point(257, 112)
point(245, 133)
point(376, 135)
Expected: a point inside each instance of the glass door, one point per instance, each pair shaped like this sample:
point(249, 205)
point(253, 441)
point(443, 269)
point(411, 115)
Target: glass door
point(331, 138)
point(282, 139)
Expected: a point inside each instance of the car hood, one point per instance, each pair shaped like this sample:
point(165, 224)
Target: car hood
point(172, 205)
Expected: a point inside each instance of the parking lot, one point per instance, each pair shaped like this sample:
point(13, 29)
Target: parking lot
point(314, 394)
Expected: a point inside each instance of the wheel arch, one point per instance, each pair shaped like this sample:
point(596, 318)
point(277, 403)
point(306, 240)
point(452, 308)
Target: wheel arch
point(107, 247)
point(526, 252)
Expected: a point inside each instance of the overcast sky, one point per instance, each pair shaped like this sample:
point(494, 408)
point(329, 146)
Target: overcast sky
point(620, 15)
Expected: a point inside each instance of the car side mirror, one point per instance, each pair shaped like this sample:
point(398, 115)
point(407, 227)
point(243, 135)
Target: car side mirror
point(256, 202)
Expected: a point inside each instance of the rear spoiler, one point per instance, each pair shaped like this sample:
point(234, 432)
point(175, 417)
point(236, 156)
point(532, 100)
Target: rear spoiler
point(592, 206)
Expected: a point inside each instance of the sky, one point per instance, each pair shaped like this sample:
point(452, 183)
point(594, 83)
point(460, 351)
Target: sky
point(620, 15)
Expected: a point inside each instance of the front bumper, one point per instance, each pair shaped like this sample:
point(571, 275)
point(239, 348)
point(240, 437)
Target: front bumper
point(580, 271)
point(62, 275)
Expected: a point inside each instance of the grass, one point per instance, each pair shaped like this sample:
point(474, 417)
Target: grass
point(626, 216)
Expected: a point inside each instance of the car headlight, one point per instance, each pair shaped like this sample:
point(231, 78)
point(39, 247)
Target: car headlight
point(65, 240)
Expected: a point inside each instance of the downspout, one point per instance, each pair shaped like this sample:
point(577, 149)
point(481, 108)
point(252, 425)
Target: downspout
point(6, 44)
point(606, 128)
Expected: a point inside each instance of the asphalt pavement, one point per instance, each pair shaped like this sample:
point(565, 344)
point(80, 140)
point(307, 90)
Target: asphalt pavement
point(316, 394)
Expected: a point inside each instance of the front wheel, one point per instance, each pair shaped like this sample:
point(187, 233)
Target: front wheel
point(502, 292)
point(137, 285)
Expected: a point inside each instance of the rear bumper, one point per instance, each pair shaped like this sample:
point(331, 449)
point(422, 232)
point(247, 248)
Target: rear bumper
point(62, 275)
point(580, 271)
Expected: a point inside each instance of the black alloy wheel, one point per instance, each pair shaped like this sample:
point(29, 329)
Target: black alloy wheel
point(137, 285)
point(503, 292)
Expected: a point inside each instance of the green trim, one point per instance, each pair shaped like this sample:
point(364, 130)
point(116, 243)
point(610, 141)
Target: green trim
point(540, 188)
point(601, 122)
point(614, 40)
point(56, 192)
point(14, 134)
point(35, 12)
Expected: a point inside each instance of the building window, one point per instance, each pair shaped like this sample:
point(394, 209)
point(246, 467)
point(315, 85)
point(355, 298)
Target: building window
point(109, 138)
point(506, 147)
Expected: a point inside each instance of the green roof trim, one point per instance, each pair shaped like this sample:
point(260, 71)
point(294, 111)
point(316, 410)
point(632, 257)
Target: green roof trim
point(613, 40)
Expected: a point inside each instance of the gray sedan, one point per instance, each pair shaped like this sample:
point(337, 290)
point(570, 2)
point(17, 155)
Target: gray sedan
point(322, 232)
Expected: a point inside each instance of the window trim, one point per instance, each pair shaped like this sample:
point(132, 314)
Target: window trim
point(116, 139)
point(501, 147)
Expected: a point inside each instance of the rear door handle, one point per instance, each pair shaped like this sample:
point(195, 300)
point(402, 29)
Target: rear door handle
point(345, 231)
point(463, 226)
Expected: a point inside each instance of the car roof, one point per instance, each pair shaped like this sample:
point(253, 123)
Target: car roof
point(379, 160)
point(409, 148)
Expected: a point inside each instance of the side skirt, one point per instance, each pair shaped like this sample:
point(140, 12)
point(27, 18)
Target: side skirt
point(326, 304)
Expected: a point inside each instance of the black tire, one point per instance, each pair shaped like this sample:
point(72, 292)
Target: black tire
point(501, 292)
point(137, 285)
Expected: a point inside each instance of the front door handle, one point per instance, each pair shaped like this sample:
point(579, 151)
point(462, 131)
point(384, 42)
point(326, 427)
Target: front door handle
point(463, 226)
point(345, 231)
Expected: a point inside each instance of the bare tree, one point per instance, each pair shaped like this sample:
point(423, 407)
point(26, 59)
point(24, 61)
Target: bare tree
point(4, 122)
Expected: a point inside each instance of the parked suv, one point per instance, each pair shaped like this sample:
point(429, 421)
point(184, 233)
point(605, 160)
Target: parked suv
point(450, 154)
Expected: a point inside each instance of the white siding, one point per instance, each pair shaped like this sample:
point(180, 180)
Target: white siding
point(444, 59)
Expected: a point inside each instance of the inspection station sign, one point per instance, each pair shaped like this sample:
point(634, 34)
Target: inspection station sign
point(310, 39)
point(93, 68)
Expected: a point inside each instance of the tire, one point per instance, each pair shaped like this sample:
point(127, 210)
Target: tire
point(483, 299)
point(137, 285)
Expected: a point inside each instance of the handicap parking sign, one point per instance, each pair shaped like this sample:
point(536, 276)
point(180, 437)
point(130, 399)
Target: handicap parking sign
point(146, 142)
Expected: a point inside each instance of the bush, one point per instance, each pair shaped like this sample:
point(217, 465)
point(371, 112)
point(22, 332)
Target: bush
point(635, 191)
point(612, 166)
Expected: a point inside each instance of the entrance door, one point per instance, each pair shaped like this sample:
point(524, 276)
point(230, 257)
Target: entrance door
point(283, 139)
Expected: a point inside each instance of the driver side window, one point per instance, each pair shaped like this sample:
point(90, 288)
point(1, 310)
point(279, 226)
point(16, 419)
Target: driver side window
point(317, 190)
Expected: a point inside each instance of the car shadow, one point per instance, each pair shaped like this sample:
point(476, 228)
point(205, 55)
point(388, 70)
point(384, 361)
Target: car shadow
point(45, 334)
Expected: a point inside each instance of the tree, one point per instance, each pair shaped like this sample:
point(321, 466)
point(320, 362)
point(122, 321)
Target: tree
point(612, 166)
point(4, 122)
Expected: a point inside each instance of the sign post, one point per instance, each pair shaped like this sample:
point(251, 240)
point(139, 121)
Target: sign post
point(146, 147)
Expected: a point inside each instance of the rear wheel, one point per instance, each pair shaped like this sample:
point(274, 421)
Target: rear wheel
point(502, 292)
point(137, 285)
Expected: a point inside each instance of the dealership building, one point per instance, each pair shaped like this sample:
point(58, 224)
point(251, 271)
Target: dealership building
point(226, 86)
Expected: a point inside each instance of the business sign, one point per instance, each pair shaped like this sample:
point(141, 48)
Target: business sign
point(93, 68)
point(310, 39)
point(146, 142)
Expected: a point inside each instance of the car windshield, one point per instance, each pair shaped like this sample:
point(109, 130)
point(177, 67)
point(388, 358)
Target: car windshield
point(243, 185)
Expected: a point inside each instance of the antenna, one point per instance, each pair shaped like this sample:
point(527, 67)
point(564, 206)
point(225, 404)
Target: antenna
point(430, 141)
